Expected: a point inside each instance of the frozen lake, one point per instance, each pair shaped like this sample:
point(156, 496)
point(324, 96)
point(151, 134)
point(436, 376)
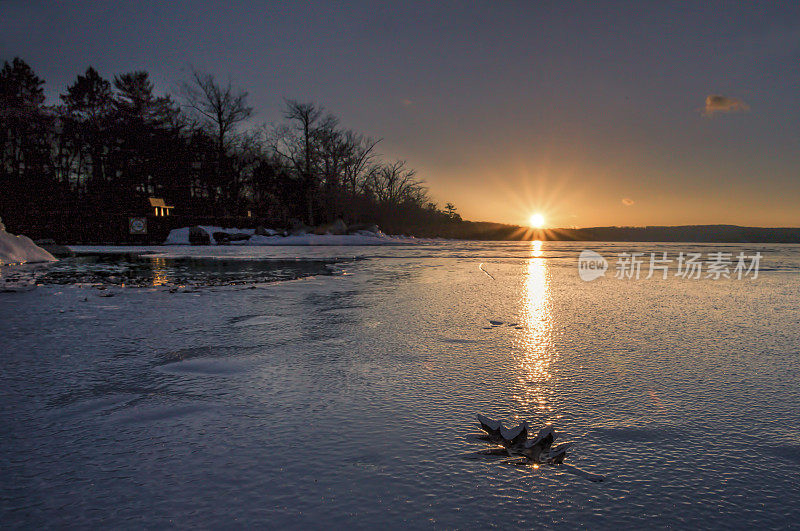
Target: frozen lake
point(347, 397)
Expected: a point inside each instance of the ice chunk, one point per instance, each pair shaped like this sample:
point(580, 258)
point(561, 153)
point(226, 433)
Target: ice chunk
point(490, 426)
point(540, 444)
point(516, 435)
point(20, 250)
point(557, 455)
point(545, 434)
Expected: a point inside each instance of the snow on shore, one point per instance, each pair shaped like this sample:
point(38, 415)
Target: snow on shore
point(20, 249)
point(181, 237)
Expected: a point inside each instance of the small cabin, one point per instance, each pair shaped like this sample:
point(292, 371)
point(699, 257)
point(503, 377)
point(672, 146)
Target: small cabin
point(160, 207)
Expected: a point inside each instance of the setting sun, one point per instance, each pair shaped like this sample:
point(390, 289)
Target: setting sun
point(536, 221)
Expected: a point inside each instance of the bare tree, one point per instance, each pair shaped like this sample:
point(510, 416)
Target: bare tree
point(305, 117)
point(220, 109)
point(297, 144)
point(332, 165)
point(393, 184)
point(346, 161)
point(359, 164)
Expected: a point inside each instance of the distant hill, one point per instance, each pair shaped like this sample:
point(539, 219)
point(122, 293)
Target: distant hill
point(473, 230)
point(686, 233)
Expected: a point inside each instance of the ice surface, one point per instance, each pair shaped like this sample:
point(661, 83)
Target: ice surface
point(154, 409)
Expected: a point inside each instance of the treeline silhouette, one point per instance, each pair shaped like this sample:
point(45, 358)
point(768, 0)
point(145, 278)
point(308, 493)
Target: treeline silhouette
point(77, 170)
point(95, 158)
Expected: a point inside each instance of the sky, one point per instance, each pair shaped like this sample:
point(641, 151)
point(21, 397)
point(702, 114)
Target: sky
point(591, 113)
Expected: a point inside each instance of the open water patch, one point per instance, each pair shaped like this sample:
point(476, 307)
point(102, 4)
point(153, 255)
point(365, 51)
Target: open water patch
point(144, 270)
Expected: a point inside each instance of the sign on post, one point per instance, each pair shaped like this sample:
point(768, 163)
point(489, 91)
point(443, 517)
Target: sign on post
point(137, 225)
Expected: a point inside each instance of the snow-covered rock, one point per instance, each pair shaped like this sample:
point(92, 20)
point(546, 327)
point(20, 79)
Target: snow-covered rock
point(262, 231)
point(358, 227)
point(59, 251)
point(338, 227)
point(363, 237)
point(198, 236)
point(20, 249)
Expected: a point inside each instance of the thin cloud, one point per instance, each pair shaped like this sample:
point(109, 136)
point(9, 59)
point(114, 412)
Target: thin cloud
point(627, 201)
point(716, 103)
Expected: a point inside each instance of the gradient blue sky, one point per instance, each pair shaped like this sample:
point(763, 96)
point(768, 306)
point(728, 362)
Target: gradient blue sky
point(504, 108)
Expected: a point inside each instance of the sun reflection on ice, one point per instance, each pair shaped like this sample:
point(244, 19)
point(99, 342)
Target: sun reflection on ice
point(160, 273)
point(536, 248)
point(535, 340)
